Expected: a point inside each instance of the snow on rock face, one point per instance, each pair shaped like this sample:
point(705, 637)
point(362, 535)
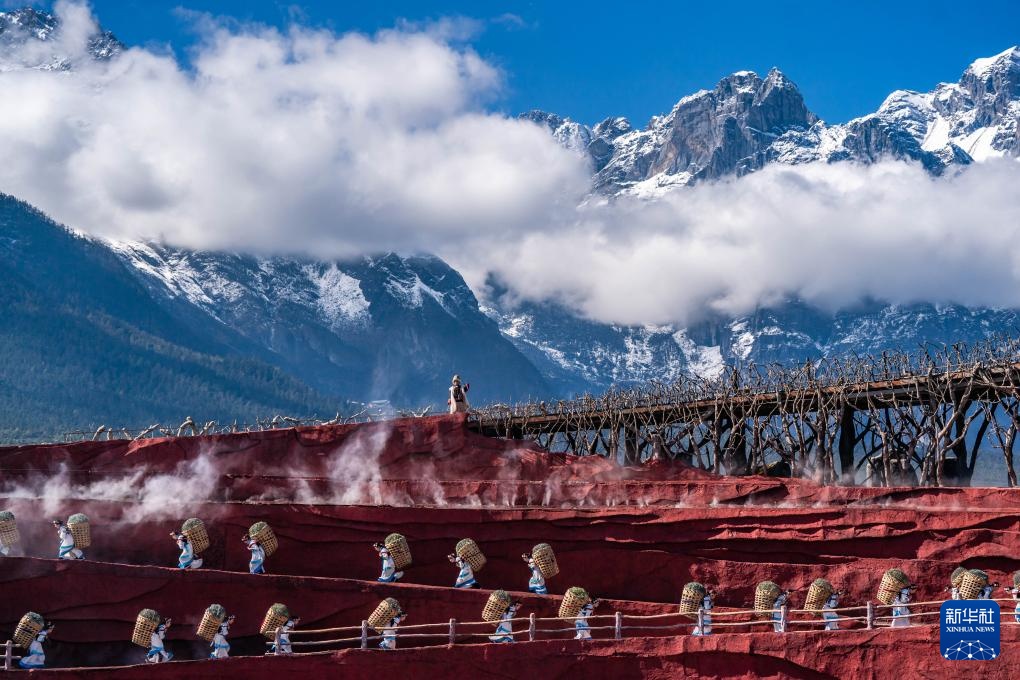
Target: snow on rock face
point(704, 362)
point(341, 299)
point(28, 26)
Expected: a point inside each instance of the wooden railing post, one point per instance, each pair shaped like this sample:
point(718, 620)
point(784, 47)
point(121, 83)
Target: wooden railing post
point(531, 627)
point(619, 626)
point(364, 634)
point(7, 655)
point(453, 631)
point(871, 616)
point(276, 641)
point(701, 620)
point(784, 617)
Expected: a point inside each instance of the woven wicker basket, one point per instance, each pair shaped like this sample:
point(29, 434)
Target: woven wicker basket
point(893, 581)
point(972, 583)
point(145, 625)
point(957, 576)
point(214, 615)
point(818, 592)
point(468, 551)
point(8, 529)
point(573, 600)
point(496, 606)
point(1016, 579)
point(692, 598)
point(765, 596)
point(387, 609)
point(263, 533)
point(276, 616)
point(28, 627)
point(194, 530)
point(400, 551)
point(79, 526)
point(545, 560)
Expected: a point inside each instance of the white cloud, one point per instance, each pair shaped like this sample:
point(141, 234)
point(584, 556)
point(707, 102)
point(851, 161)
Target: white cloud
point(300, 140)
point(831, 234)
point(308, 141)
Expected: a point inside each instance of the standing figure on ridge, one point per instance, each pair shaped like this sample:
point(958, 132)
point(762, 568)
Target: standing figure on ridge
point(36, 657)
point(706, 603)
point(157, 654)
point(219, 644)
point(187, 558)
point(67, 551)
point(536, 583)
point(389, 632)
point(466, 575)
point(828, 611)
point(777, 616)
point(505, 628)
point(458, 396)
point(581, 622)
point(901, 612)
point(285, 646)
point(256, 565)
point(389, 568)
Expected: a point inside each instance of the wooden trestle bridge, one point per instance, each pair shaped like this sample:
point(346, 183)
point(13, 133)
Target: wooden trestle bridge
point(895, 418)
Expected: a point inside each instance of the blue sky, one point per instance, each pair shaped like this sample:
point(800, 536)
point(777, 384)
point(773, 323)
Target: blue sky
point(591, 60)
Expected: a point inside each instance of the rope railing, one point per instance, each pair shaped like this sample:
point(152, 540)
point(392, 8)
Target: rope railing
point(459, 631)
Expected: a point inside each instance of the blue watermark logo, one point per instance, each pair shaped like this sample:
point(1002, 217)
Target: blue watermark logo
point(969, 630)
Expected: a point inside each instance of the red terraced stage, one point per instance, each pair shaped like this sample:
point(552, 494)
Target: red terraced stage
point(635, 535)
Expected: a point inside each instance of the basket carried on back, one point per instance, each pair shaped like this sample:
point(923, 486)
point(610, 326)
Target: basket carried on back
point(957, 576)
point(1016, 579)
point(28, 627)
point(692, 598)
point(573, 600)
point(468, 551)
point(263, 533)
point(145, 625)
point(276, 616)
point(194, 530)
point(384, 613)
point(214, 616)
point(8, 529)
point(972, 583)
point(818, 592)
point(545, 560)
point(893, 581)
point(400, 551)
point(765, 596)
point(496, 606)
point(78, 524)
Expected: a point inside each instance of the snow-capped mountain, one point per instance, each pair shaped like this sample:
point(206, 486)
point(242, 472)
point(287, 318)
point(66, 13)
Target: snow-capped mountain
point(39, 30)
point(746, 122)
point(116, 331)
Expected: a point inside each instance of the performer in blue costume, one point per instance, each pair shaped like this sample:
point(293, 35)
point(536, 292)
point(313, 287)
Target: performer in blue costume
point(256, 565)
point(67, 551)
point(505, 628)
point(157, 653)
point(389, 568)
point(36, 657)
point(187, 558)
point(536, 583)
point(466, 575)
point(220, 646)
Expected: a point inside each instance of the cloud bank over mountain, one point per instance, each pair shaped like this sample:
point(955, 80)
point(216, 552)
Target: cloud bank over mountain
point(306, 141)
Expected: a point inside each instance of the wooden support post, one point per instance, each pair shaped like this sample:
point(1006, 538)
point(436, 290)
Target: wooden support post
point(701, 620)
point(531, 627)
point(619, 626)
point(453, 631)
point(276, 641)
point(871, 616)
point(784, 617)
point(7, 655)
point(364, 634)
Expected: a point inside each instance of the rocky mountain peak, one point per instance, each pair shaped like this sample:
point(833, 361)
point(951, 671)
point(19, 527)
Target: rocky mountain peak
point(30, 27)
